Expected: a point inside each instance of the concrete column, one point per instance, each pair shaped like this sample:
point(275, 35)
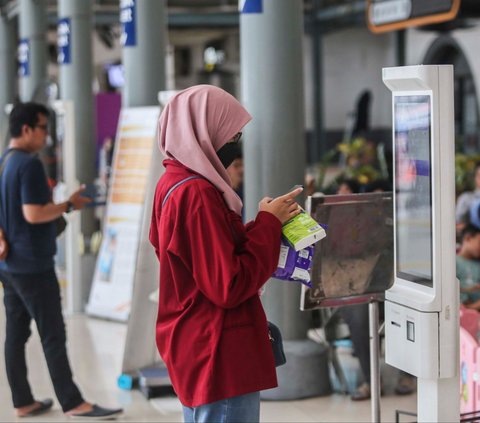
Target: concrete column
point(144, 46)
point(8, 80)
point(32, 45)
point(74, 40)
point(75, 78)
point(274, 146)
point(319, 147)
point(400, 47)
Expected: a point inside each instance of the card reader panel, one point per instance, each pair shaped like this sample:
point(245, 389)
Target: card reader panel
point(412, 340)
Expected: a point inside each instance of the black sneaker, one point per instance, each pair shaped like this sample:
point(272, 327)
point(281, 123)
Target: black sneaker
point(98, 413)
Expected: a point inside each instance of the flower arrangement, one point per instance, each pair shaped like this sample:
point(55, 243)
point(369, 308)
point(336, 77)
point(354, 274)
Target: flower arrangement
point(359, 160)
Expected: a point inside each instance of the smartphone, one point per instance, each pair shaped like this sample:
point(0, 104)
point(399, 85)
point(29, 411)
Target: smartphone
point(91, 192)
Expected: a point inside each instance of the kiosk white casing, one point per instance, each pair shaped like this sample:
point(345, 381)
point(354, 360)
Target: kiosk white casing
point(421, 312)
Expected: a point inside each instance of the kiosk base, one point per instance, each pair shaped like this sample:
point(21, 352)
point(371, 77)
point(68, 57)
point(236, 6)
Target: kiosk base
point(432, 405)
point(306, 373)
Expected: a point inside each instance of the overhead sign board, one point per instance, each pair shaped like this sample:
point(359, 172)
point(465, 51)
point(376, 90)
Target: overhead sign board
point(392, 15)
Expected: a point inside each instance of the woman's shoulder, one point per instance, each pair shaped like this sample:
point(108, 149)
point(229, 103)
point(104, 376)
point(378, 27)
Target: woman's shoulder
point(190, 190)
point(203, 189)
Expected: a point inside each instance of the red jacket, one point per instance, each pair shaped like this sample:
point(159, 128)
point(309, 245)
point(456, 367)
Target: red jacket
point(211, 328)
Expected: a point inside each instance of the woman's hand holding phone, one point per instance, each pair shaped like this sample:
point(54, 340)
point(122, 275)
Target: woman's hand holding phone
point(284, 207)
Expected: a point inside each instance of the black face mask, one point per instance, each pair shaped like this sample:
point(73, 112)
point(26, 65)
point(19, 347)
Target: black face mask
point(229, 152)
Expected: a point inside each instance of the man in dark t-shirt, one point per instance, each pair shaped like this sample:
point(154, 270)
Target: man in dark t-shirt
point(31, 291)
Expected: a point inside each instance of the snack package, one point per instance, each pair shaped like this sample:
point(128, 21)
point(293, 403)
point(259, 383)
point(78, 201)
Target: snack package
point(294, 265)
point(302, 231)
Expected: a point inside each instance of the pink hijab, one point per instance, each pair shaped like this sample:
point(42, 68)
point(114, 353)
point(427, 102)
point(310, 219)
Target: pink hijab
point(194, 125)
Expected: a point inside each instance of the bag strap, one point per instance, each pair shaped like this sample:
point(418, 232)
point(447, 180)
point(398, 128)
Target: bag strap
point(177, 185)
point(2, 167)
point(5, 159)
point(235, 238)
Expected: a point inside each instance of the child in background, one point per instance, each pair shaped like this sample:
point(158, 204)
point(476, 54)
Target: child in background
point(468, 266)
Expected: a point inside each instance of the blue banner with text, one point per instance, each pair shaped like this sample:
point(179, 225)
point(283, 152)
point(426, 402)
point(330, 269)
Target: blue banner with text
point(251, 6)
point(127, 19)
point(64, 31)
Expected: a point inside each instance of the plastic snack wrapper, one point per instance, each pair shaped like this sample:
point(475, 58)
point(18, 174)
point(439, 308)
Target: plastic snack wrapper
point(294, 265)
point(302, 231)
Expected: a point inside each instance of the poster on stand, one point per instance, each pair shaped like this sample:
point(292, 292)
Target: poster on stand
point(111, 292)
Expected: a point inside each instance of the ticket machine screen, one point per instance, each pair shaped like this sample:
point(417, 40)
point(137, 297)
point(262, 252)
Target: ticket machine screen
point(413, 186)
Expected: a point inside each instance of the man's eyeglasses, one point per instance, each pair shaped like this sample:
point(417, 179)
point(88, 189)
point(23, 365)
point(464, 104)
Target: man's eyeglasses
point(44, 127)
point(237, 137)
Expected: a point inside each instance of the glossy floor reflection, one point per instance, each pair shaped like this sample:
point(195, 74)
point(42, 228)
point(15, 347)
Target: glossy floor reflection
point(96, 350)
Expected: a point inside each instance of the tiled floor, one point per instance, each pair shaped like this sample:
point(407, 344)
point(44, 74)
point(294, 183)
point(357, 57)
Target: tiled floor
point(96, 350)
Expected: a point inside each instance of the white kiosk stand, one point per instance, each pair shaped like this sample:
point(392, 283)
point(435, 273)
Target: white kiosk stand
point(422, 307)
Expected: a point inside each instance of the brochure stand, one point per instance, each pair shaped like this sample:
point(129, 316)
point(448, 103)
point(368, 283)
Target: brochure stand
point(141, 361)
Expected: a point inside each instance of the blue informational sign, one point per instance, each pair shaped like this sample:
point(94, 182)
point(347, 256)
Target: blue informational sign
point(251, 6)
point(64, 41)
point(24, 57)
point(127, 19)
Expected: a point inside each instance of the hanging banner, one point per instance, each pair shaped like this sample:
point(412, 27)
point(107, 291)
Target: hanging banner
point(250, 6)
point(23, 57)
point(128, 21)
point(64, 41)
point(115, 269)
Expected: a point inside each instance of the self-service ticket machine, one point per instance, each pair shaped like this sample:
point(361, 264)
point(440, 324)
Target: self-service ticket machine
point(422, 307)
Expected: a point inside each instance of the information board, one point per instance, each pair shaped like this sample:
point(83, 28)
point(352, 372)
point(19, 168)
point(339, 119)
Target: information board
point(111, 293)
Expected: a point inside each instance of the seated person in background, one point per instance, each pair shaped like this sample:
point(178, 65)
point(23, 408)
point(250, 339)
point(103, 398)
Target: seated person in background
point(309, 183)
point(235, 171)
point(357, 319)
point(348, 186)
point(465, 200)
point(468, 266)
point(379, 185)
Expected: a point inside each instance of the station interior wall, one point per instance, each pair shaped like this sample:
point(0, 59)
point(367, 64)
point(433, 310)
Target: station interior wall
point(352, 60)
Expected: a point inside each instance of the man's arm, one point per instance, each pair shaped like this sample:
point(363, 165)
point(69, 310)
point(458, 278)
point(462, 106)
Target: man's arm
point(42, 213)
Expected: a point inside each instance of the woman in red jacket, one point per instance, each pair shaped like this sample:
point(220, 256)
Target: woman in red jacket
point(211, 329)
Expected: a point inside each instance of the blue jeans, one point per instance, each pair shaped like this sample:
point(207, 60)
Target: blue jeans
point(241, 409)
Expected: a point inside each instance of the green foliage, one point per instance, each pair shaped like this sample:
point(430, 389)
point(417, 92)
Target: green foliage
point(358, 160)
point(465, 172)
